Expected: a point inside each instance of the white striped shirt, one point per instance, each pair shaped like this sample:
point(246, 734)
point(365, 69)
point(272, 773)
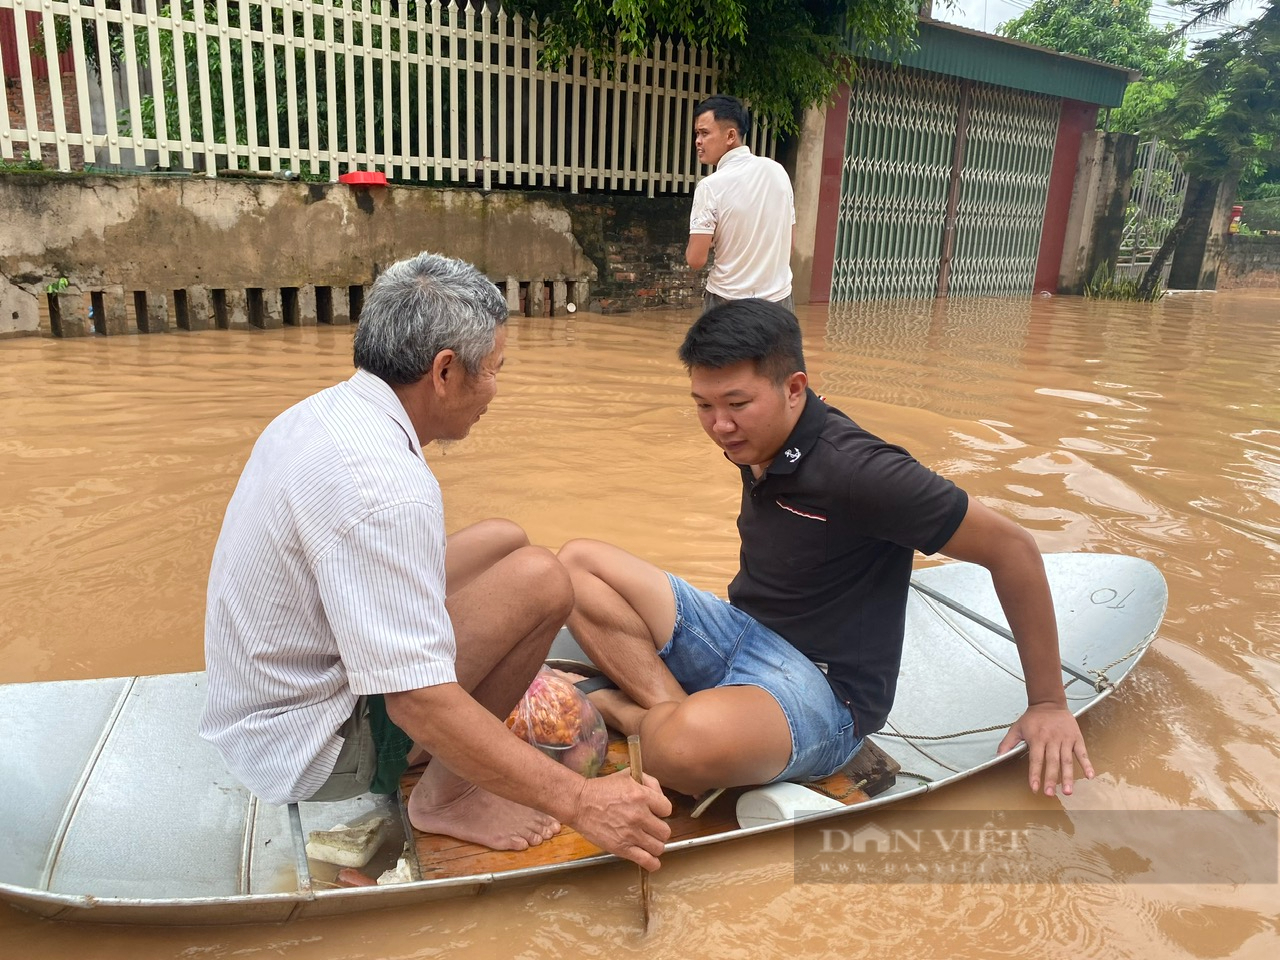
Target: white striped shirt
point(327, 583)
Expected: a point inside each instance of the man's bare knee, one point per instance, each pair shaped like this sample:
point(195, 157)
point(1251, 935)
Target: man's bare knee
point(506, 536)
point(683, 748)
point(537, 572)
point(581, 554)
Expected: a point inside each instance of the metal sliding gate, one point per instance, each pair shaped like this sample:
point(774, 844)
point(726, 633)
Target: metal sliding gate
point(920, 146)
point(893, 193)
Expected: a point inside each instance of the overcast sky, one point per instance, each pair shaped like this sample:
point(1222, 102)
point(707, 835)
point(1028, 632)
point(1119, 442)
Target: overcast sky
point(989, 14)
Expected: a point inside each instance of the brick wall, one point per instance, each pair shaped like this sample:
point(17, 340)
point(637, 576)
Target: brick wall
point(1250, 262)
point(638, 245)
point(43, 96)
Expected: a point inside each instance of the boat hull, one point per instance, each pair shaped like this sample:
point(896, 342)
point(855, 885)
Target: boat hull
point(119, 813)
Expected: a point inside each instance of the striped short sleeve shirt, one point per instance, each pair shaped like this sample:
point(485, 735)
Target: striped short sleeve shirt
point(327, 583)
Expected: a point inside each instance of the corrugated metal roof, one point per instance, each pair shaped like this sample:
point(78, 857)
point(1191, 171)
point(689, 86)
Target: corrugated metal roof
point(958, 52)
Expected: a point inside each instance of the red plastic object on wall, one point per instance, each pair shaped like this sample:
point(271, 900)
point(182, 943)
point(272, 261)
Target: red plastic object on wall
point(364, 178)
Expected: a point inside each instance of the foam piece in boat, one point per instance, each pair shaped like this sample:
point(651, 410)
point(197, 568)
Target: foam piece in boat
point(778, 802)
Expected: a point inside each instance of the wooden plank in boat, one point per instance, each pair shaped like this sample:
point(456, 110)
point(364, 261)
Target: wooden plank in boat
point(441, 857)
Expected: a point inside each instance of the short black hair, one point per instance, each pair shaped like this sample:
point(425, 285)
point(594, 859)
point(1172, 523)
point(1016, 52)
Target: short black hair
point(727, 108)
point(761, 331)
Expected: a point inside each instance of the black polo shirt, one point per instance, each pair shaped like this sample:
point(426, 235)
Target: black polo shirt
point(828, 535)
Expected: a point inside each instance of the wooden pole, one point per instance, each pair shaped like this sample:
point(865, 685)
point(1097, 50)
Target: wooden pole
point(637, 774)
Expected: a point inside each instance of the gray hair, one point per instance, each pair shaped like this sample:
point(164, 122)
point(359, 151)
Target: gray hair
point(421, 306)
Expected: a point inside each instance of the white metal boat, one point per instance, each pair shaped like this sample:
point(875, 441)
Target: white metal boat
point(115, 811)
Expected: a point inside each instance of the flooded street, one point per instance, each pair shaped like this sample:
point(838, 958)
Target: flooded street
point(1151, 430)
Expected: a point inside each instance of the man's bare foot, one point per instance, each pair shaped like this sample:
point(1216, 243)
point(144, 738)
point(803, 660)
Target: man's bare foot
point(619, 710)
point(443, 803)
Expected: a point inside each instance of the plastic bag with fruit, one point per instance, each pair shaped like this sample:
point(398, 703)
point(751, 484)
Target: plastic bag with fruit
point(561, 722)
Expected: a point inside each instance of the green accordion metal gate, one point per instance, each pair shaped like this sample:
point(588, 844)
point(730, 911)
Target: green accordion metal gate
point(920, 146)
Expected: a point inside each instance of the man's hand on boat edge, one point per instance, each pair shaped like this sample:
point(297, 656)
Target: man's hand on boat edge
point(1013, 559)
point(1054, 744)
point(624, 817)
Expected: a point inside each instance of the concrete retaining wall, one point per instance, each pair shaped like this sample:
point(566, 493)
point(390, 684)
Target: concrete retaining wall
point(1250, 262)
point(147, 254)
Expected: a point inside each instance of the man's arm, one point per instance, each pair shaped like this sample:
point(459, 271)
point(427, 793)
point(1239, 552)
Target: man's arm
point(613, 812)
point(1053, 737)
point(695, 254)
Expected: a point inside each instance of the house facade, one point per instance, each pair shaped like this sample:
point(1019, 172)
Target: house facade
point(952, 173)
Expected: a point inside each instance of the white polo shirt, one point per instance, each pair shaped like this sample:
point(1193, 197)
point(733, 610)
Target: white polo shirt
point(327, 583)
point(748, 205)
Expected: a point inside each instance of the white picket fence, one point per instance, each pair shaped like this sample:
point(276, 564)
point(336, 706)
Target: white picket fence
point(430, 91)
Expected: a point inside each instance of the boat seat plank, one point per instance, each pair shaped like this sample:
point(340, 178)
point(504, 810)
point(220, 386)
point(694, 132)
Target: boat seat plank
point(440, 856)
point(48, 749)
point(158, 803)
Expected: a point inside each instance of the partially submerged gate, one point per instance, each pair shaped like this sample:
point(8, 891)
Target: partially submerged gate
point(1159, 187)
point(926, 152)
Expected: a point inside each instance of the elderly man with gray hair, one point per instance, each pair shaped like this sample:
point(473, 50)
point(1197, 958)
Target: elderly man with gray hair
point(347, 635)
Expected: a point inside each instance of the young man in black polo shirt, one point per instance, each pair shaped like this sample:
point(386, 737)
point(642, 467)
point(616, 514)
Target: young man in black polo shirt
point(783, 681)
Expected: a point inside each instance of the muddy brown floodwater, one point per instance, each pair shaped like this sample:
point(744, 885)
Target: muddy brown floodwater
point(1149, 430)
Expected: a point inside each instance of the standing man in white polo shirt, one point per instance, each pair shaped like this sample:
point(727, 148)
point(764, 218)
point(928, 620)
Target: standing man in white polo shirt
point(345, 632)
point(745, 209)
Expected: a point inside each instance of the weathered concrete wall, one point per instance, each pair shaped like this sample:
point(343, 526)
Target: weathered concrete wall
point(1250, 262)
point(1095, 220)
point(152, 253)
point(807, 180)
point(1195, 261)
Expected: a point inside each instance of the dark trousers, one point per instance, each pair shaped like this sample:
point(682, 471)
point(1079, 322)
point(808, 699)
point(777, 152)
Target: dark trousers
point(710, 300)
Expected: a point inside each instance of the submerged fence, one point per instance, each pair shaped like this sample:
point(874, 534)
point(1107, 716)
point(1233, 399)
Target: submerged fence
point(1159, 187)
point(432, 91)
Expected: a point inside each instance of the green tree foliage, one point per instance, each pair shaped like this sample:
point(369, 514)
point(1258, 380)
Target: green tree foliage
point(1113, 31)
point(780, 55)
point(1225, 115)
point(1224, 119)
point(1143, 100)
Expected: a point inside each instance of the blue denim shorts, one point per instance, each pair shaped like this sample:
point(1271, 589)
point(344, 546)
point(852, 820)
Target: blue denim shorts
point(717, 645)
